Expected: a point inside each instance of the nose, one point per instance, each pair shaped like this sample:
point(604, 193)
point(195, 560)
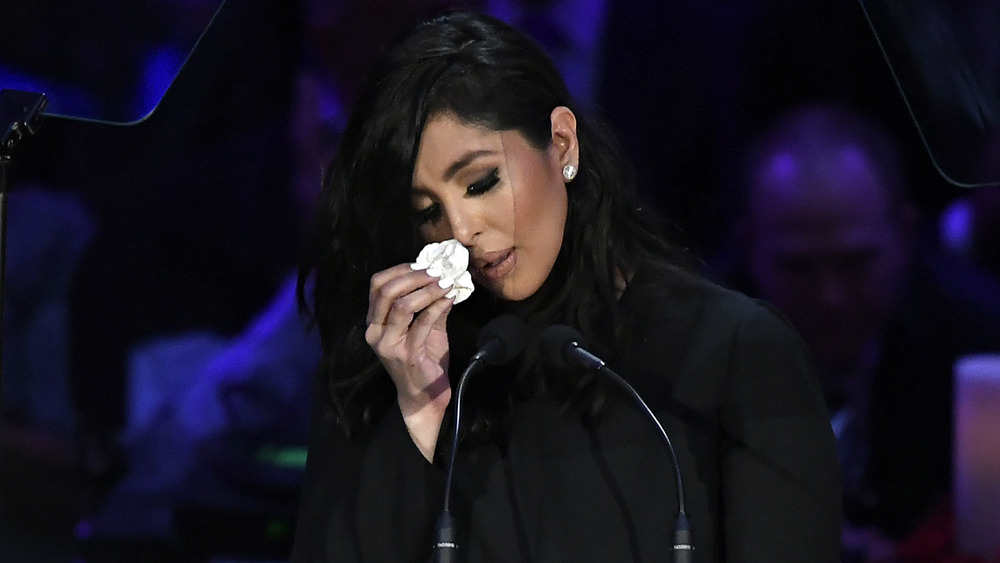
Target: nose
point(465, 224)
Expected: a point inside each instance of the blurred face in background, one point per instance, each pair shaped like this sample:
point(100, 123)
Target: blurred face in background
point(827, 246)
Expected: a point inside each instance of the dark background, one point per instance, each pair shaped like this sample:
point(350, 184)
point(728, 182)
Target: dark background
point(195, 210)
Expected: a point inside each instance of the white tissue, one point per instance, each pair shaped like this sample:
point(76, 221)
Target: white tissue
point(448, 260)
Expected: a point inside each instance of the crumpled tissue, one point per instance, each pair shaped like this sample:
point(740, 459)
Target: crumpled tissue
point(448, 260)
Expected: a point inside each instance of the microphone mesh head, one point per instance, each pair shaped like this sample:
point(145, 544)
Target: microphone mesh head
point(554, 340)
point(511, 334)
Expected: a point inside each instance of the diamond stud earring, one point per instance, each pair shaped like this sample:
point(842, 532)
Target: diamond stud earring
point(569, 172)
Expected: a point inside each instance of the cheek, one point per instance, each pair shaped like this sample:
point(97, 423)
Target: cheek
point(539, 222)
point(433, 234)
point(550, 199)
point(439, 230)
point(541, 219)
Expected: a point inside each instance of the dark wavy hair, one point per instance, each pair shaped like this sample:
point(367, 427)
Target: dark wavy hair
point(485, 73)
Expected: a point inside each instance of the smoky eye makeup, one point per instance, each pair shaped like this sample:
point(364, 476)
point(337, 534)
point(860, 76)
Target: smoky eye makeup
point(486, 183)
point(428, 214)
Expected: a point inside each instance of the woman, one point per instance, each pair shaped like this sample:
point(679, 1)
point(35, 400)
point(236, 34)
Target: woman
point(467, 132)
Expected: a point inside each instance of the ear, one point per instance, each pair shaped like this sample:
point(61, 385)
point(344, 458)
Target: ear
point(565, 144)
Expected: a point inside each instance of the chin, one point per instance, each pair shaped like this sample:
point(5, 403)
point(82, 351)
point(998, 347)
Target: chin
point(513, 297)
point(514, 292)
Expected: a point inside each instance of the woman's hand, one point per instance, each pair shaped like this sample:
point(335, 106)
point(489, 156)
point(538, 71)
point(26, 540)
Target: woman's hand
point(407, 314)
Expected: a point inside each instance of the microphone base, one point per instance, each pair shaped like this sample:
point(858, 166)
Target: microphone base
point(683, 546)
point(445, 546)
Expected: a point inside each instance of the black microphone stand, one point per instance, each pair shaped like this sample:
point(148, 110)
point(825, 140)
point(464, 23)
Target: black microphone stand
point(683, 543)
point(563, 342)
point(445, 544)
point(20, 117)
point(499, 340)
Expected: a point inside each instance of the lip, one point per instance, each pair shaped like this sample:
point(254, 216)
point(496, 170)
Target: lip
point(494, 265)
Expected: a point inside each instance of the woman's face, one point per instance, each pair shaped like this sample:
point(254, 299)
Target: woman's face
point(502, 198)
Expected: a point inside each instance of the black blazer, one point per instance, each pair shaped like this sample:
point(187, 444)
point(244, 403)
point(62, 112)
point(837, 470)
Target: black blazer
point(728, 378)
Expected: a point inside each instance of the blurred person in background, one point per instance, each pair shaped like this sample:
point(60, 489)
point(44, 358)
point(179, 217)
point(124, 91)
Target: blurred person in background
point(828, 234)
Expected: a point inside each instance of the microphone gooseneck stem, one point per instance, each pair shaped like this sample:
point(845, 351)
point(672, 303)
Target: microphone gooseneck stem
point(564, 346)
point(666, 438)
point(445, 545)
point(459, 393)
point(683, 546)
point(499, 340)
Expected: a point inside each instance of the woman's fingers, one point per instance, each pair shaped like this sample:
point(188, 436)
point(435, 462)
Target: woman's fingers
point(407, 329)
point(388, 287)
point(405, 308)
point(433, 317)
point(377, 306)
point(402, 299)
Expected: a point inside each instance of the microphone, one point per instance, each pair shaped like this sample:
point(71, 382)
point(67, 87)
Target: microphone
point(499, 341)
point(564, 347)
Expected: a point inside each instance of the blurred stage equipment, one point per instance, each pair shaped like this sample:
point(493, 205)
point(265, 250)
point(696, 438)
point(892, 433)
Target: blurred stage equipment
point(21, 114)
point(977, 456)
point(20, 117)
point(945, 60)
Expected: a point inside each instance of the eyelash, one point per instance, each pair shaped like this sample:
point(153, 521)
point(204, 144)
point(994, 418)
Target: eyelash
point(485, 184)
point(433, 212)
point(428, 214)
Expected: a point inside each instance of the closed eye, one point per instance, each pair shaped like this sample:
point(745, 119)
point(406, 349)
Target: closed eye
point(432, 212)
point(485, 184)
point(429, 214)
